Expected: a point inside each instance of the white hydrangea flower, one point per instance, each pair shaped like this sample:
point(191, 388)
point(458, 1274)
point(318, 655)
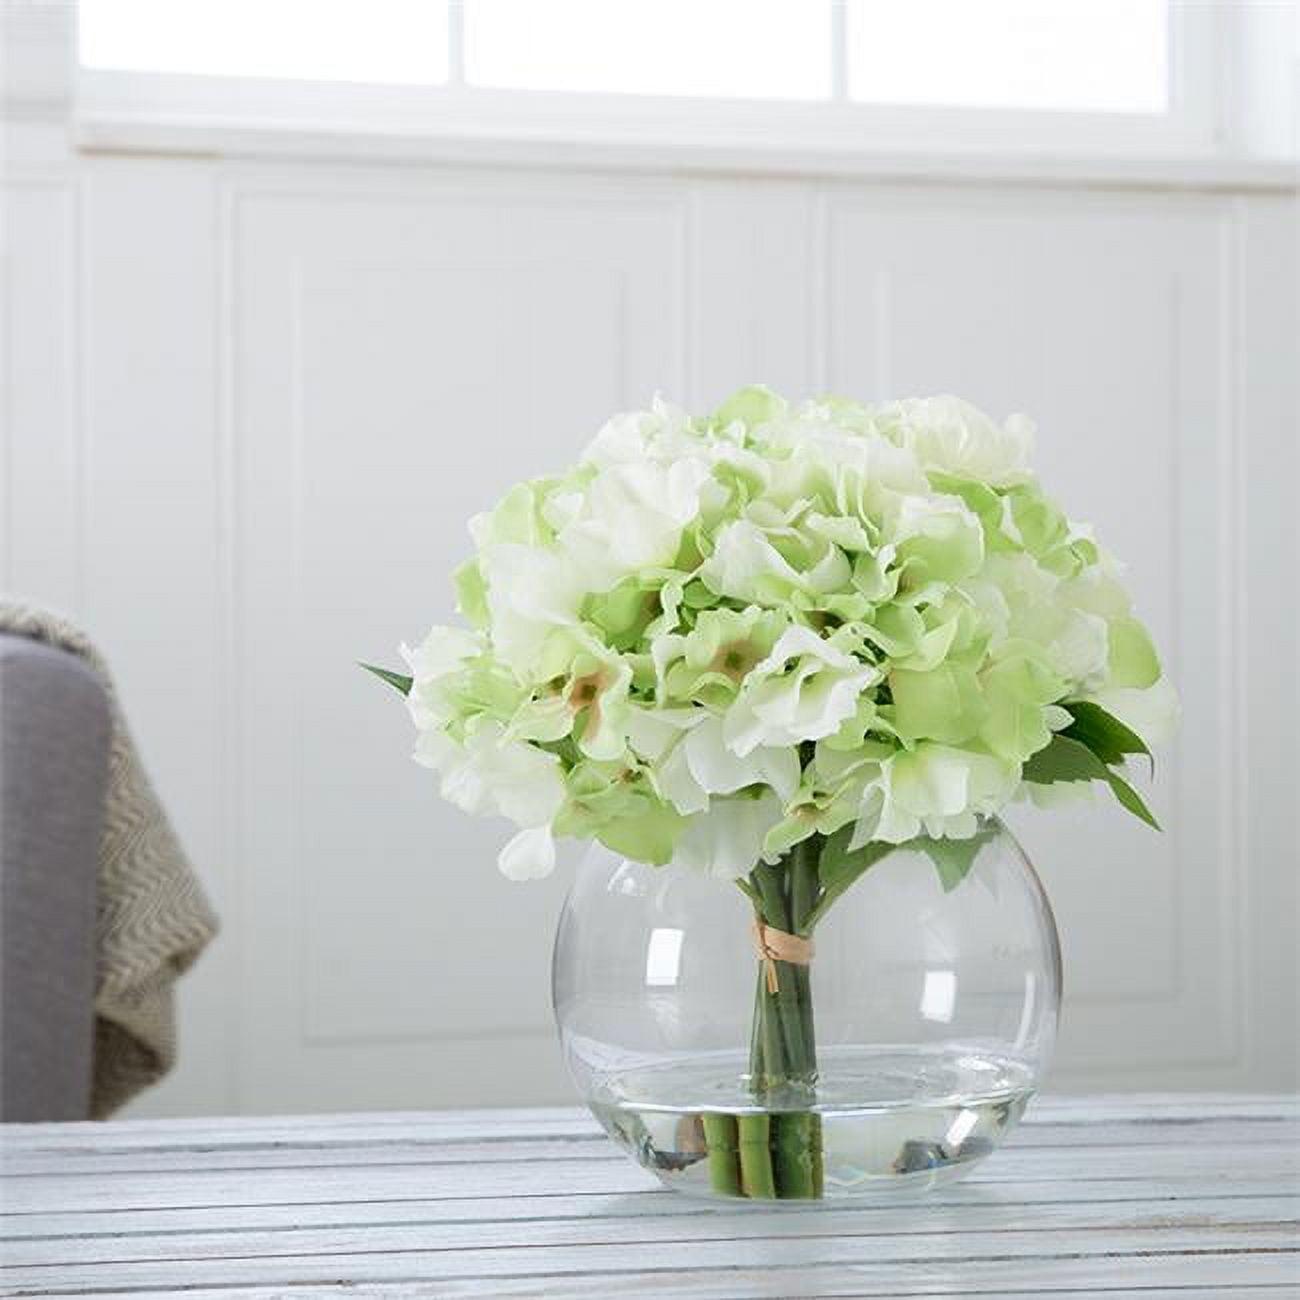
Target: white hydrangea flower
point(531, 591)
point(665, 632)
point(703, 765)
point(746, 566)
point(933, 789)
point(444, 652)
point(491, 773)
point(726, 841)
point(802, 691)
point(631, 517)
point(954, 437)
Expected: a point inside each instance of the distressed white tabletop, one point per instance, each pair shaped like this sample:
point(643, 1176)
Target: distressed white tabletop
point(1132, 1197)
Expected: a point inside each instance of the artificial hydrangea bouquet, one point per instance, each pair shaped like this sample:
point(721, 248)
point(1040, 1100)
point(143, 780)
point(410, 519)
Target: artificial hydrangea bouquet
point(772, 643)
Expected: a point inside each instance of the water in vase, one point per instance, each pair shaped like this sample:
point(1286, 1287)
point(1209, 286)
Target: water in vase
point(886, 1119)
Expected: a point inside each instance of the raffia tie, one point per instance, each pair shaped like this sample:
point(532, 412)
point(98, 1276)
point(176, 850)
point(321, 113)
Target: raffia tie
point(773, 945)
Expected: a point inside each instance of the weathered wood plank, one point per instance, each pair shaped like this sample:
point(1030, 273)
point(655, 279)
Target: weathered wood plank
point(25, 1194)
point(507, 1125)
point(1205, 1278)
point(880, 1258)
point(485, 1126)
point(1026, 1201)
point(1225, 1221)
point(1187, 1195)
point(400, 1150)
point(754, 1286)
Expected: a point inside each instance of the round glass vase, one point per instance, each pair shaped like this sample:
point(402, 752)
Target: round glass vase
point(906, 1047)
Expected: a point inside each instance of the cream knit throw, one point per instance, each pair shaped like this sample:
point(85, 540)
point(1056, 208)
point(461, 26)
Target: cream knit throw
point(153, 920)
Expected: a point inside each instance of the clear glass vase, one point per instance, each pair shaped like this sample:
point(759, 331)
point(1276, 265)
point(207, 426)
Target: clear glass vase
point(897, 1057)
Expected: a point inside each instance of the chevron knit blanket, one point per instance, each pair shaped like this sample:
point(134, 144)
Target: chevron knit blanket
point(153, 919)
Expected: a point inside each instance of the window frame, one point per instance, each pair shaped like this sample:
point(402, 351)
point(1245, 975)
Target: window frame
point(141, 110)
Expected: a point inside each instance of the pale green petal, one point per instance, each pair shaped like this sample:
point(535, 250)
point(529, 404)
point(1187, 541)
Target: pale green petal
point(943, 704)
point(1133, 658)
point(751, 407)
point(940, 540)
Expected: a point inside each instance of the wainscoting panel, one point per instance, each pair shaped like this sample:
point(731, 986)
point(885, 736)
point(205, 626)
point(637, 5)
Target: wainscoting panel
point(1101, 317)
point(41, 454)
point(249, 407)
point(398, 356)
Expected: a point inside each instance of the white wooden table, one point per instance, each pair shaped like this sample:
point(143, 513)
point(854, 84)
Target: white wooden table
point(1134, 1197)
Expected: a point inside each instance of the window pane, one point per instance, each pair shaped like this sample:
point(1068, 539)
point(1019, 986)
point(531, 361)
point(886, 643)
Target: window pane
point(762, 49)
point(327, 40)
point(1087, 55)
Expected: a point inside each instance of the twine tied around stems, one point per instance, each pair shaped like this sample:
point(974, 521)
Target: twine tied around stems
point(773, 945)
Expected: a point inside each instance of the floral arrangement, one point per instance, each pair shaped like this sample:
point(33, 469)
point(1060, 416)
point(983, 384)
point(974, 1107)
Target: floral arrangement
point(775, 641)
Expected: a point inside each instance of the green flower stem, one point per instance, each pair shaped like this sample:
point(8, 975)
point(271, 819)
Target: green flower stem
point(818, 1155)
point(772, 1065)
point(793, 1156)
point(757, 1176)
point(764, 1048)
point(788, 1164)
point(775, 911)
point(804, 888)
point(722, 1140)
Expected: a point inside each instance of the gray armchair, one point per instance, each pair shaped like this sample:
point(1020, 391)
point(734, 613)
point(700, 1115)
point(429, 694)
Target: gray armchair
point(55, 727)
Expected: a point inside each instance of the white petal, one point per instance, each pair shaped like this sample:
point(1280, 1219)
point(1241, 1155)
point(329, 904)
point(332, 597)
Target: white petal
point(529, 856)
point(678, 785)
point(527, 785)
point(441, 652)
point(720, 770)
point(727, 841)
point(1152, 713)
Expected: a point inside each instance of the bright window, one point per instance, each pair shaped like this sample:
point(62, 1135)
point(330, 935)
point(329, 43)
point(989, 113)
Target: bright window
point(1073, 55)
point(1082, 55)
point(381, 41)
point(746, 49)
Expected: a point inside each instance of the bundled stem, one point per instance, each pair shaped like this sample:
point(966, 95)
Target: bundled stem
point(777, 1153)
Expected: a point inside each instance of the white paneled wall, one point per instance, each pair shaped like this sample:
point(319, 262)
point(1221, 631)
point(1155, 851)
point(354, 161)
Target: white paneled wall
point(249, 406)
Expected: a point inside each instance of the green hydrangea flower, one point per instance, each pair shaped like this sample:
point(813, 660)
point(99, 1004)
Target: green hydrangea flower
point(716, 636)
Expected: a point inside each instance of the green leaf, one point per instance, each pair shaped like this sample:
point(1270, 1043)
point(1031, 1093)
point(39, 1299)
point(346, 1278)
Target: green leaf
point(397, 681)
point(1103, 733)
point(1071, 760)
point(1064, 759)
point(838, 867)
point(953, 858)
point(1130, 799)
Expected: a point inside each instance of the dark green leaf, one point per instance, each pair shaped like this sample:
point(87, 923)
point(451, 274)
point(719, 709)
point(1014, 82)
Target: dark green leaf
point(1064, 759)
point(1104, 733)
point(1130, 799)
point(1070, 760)
point(397, 681)
point(839, 863)
point(952, 858)
point(839, 866)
